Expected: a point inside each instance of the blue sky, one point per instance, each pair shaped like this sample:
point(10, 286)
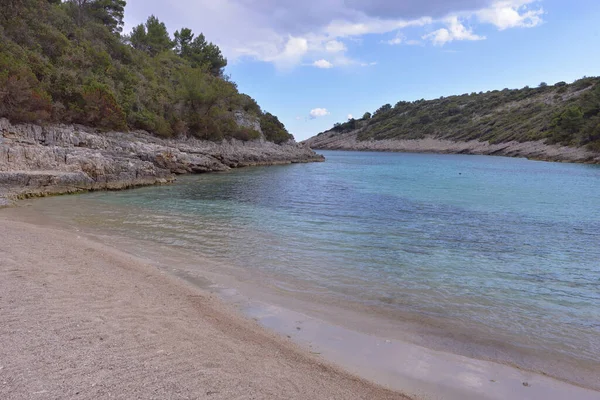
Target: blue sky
point(315, 62)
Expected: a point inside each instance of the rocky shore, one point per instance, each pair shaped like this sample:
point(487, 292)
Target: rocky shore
point(43, 160)
point(536, 150)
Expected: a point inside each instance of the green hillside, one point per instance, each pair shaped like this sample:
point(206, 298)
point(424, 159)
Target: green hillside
point(69, 62)
point(564, 113)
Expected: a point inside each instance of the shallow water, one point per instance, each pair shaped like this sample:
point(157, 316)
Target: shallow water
point(502, 250)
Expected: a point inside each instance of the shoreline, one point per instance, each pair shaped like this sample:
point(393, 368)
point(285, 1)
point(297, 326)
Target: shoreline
point(38, 161)
point(536, 151)
point(80, 318)
point(339, 344)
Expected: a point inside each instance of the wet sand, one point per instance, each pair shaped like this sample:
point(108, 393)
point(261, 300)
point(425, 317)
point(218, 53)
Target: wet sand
point(82, 320)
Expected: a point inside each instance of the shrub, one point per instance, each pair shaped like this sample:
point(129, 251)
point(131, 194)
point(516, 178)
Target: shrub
point(101, 108)
point(246, 134)
point(21, 100)
point(273, 129)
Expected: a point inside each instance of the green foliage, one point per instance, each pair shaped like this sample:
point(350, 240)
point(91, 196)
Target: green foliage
point(100, 107)
point(273, 129)
point(246, 134)
point(383, 109)
point(67, 62)
point(199, 52)
point(249, 105)
point(183, 41)
point(110, 13)
point(151, 37)
point(569, 121)
point(22, 97)
point(568, 114)
point(21, 102)
point(367, 115)
point(347, 126)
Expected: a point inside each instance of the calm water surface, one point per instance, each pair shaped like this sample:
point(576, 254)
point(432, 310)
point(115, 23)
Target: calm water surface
point(509, 246)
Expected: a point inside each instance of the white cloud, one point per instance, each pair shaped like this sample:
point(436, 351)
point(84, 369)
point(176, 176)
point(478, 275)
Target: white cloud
point(510, 14)
point(342, 28)
point(454, 31)
point(292, 54)
point(335, 46)
point(399, 39)
point(322, 64)
point(318, 112)
point(289, 33)
point(350, 116)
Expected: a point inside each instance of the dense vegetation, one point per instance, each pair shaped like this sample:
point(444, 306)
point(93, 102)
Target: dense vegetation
point(567, 114)
point(69, 62)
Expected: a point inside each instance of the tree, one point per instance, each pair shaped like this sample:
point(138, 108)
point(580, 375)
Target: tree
point(10, 9)
point(543, 85)
point(571, 119)
point(183, 41)
point(384, 108)
point(367, 115)
point(567, 124)
point(212, 57)
point(138, 38)
point(81, 7)
point(199, 52)
point(157, 36)
point(151, 37)
point(351, 124)
point(107, 12)
point(110, 13)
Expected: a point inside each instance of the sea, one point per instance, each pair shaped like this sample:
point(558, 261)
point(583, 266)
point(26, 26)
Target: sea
point(490, 257)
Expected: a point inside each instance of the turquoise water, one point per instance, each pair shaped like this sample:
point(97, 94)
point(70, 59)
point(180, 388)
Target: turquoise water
point(508, 249)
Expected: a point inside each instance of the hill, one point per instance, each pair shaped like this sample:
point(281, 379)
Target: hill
point(84, 107)
point(68, 62)
point(546, 122)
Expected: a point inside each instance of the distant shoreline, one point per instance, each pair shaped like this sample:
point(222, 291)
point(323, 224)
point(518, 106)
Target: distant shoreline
point(537, 150)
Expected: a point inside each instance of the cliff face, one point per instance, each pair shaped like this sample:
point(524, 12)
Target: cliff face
point(39, 160)
point(536, 150)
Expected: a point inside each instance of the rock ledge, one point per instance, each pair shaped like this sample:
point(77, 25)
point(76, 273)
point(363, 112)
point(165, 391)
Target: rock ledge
point(44, 160)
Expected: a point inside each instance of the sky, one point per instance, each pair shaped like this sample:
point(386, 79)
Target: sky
point(316, 62)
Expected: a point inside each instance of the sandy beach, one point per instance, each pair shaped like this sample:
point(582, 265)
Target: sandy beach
point(82, 320)
point(83, 316)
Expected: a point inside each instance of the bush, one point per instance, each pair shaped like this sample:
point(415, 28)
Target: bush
point(101, 109)
point(246, 134)
point(273, 129)
point(21, 100)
